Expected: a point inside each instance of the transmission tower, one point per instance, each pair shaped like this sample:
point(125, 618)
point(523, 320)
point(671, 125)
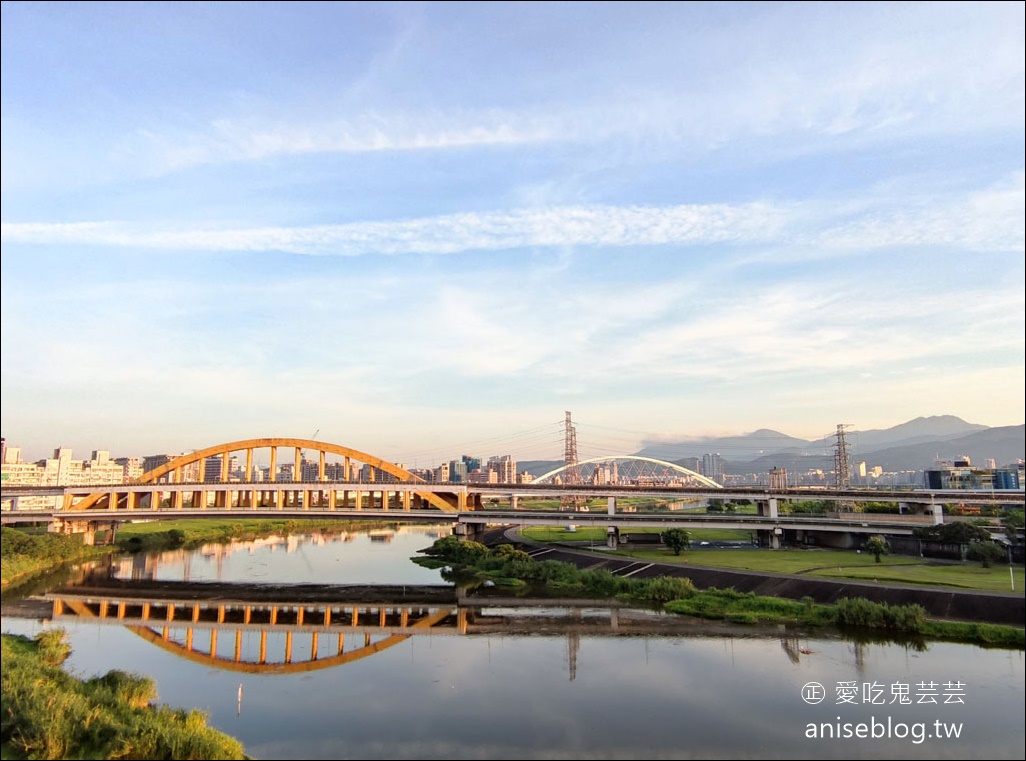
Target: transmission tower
point(842, 468)
point(571, 470)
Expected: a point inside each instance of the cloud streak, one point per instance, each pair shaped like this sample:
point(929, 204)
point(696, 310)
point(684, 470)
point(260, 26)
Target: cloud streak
point(990, 220)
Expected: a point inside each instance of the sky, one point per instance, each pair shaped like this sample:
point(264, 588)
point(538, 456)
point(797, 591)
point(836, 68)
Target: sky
point(423, 230)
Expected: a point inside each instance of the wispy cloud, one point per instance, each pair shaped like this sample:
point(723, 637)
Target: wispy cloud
point(988, 220)
point(448, 234)
point(234, 139)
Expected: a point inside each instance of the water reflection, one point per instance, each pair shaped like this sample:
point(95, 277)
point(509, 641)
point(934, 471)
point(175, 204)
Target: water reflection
point(485, 675)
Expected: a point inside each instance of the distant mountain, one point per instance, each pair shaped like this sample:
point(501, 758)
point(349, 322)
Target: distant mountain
point(742, 447)
point(915, 445)
point(1005, 445)
point(934, 428)
point(537, 467)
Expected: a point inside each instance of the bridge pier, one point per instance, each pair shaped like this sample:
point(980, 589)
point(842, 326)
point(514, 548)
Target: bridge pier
point(770, 538)
point(924, 508)
point(86, 528)
point(767, 507)
point(470, 532)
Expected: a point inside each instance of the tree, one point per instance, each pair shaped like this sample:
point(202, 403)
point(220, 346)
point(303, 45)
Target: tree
point(677, 539)
point(987, 553)
point(960, 533)
point(878, 546)
point(1012, 521)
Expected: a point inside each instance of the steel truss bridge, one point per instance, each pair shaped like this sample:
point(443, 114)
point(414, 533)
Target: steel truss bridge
point(345, 483)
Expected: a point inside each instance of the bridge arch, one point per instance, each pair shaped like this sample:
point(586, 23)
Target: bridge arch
point(161, 637)
point(667, 466)
point(175, 469)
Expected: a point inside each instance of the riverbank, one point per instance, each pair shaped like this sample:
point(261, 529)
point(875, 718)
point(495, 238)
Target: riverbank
point(675, 587)
point(24, 555)
point(952, 604)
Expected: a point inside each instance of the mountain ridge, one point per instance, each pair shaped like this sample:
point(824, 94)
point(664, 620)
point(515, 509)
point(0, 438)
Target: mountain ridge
point(916, 444)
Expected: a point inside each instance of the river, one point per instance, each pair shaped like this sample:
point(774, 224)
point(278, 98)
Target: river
point(409, 669)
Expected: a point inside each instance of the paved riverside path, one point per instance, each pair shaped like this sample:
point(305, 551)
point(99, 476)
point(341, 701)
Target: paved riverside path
point(963, 605)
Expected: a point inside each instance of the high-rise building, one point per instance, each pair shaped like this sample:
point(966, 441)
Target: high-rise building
point(712, 467)
point(504, 467)
point(458, 471)
point(212, 469)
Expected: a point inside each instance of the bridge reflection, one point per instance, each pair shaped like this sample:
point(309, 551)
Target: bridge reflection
point(252, 628)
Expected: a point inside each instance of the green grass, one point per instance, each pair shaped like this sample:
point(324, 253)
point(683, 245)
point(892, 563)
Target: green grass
point(48, 713)
point(957, 576)
point(835, 564)
point(26, 553)
point(598, 534)
point(560, 534)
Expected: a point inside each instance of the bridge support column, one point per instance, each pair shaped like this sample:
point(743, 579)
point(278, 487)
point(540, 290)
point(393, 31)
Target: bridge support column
point(767, 507)
point(611, 505)
point(513, 500)
point(770, 538)
point(86, 528)
point(469, 532)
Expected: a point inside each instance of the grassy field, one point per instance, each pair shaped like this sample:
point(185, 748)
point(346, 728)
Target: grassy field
point(598, 534)
point(837, 564)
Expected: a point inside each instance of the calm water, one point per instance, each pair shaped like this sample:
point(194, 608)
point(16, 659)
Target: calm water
point(540, 682)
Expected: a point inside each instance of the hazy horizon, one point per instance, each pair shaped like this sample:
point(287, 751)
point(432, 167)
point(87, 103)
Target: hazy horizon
point(546, 443)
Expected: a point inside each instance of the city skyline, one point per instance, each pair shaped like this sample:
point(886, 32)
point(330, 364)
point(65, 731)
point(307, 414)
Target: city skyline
point(416, 228)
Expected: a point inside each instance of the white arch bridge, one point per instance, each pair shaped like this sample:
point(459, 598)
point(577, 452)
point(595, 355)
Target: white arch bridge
point(625, 470)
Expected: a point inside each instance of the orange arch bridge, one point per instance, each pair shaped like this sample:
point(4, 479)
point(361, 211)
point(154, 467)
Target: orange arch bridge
point(228, 476)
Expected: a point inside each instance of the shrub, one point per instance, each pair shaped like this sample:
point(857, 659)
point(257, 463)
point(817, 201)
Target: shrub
point(858, 611)
point(987, 553)
point(53, 648)
point(662, 589)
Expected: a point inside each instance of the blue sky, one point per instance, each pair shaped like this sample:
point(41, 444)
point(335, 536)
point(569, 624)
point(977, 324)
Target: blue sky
point(421, 230)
